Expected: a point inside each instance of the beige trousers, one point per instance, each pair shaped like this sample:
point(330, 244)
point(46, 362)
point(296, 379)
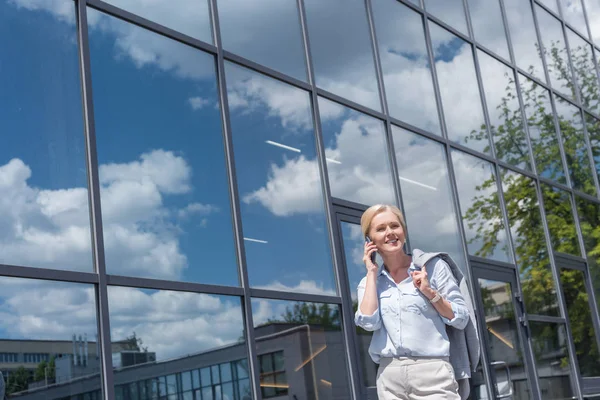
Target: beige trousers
point(408, 378)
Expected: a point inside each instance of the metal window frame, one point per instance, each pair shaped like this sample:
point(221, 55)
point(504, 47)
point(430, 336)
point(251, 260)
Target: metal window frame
point(101, 280)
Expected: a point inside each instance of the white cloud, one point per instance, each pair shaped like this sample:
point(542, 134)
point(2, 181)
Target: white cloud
point(304, 286)
point(50, 228)
point(197, 102)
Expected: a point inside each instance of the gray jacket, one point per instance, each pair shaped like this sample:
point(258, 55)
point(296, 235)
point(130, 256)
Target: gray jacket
point(464, 344)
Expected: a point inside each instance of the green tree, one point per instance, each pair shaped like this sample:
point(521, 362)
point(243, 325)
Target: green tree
point(484, 218)
point(325, 315)
point(44, 368)
point(17, 381)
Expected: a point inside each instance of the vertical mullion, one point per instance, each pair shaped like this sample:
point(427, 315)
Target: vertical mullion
point(552, 95)
point(382, 94)
point(253, 366)
point(353, 370)
point(101, 289)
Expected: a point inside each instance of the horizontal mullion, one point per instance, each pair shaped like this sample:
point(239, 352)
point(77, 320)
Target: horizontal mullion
point(444, 25)
point(578, 261)
point(482, 262)
point(422, 132)
point(151, 26)
point(16, 271)
point(293, 296)
point(545, 318)
point(350, 104)
point(148, 283)
point(228, 56)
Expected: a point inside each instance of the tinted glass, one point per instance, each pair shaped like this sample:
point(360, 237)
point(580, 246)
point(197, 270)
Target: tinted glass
point(451, 12)
point(549, 342)
point(542, 130)
point(265, 32)
point(457, 79)
point(181, 331)
point(572, 12)
point(356, 154)
point(48, 336)
point(191, 18)
point(44, 204)
point(557, 59)
point(488, 27)
point(592, 8)
point(310, 337)
point(279, 184)
point(506, 119)
point(582, 60)
point(524, 37)
point(343, 69)
point(405, 63)
point(529, 243)
point(479, 203)
point(559, 214)
point(593, 130)
point(165, 198)
point(578, 309)
point(589, 221)
point(575, 146)
point(426, 194)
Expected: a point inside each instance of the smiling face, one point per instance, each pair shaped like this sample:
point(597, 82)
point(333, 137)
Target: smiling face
point(386, 232)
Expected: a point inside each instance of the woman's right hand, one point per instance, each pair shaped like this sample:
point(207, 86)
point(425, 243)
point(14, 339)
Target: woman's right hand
point(370, 248)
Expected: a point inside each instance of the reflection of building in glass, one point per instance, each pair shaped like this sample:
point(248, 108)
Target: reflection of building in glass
point(290, 367)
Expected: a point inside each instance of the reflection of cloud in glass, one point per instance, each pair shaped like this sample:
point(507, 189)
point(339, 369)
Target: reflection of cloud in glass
point(174, 324)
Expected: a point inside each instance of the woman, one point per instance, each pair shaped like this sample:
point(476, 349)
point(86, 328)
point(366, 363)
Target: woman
point(408, 310)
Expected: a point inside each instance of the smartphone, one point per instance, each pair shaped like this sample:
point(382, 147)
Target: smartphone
point(374, 254)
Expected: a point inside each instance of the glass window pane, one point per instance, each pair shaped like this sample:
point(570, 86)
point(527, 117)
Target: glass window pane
point(456, 73)
point(205, 377)
point(165, 197)
point(227, 391)
point(340, 68)
point(559, 216)
point(524, 37)
point(479, 203)
point(244, 389)
point(451, 12)
point(582, 60)
point(310, 337)
point(190, 18)
point(506, 120)
point(44, 205)
point(549, 342)
point(592, 8)
point(52, 327)
point(267, 33)
point(242, 369)
point(488, 27)
point(575, 146)
point(542, 130)
point(216, 376)
point(279, 184)
point(196, 379)
point(149, 326)
point(572, 12)
point(349, 136)
point(225, 372)
point(589, 221)
point(405, 64)
point(186, 381)
point(529, 243)
point(593, 130)
point(266, 363)
point(427, 197)
point(573, 283)
point(557, 60)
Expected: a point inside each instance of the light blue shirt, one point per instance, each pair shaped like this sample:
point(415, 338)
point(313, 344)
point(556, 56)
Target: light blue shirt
point(406, 324)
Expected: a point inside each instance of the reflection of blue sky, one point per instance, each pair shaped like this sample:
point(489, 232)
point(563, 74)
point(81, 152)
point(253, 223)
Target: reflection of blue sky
point(447, 50)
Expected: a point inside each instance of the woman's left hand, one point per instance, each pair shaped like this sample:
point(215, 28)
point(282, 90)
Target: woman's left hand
point(420, 280)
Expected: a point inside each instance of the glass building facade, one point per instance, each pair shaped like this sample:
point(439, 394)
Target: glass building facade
point(181, 186)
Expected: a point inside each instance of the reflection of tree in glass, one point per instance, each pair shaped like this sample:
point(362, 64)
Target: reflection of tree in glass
point(324, 315)
point(45, 370)
point(521, 198)
point(17, 381)
point(134, 343)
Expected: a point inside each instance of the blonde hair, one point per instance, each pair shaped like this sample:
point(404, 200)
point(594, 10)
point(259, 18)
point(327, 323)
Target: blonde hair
point(371, 212)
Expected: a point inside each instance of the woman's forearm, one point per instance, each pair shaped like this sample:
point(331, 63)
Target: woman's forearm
point(370, 302)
